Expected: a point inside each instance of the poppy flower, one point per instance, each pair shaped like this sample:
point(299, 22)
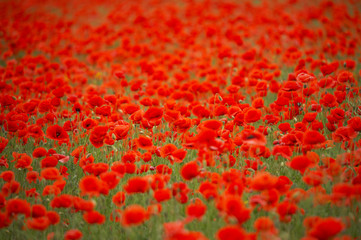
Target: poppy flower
point(7, 176)
point(285, 210)
point(252, 115)
point(57, 133)
point(284, 151)
point(328, 100)
point(18, 206)
point(211, 124)
point(178, 155)
point(119, 199)
point(5, 221)
point(110, 178)
point(153, 114)
point(97, 136)
point(51, 190)
point(314, 178)
point(231, 232)
point(163, 169)
point(53, 217)
point(265, 224)
point(300, 163)
point(190, 170)
point(61, 158)
point(121, 132)
point(62, 201)
point(48, 162)
point(50, 173)
point(284, 127)
point(313, 137)
point(343, 134)
point(252, 137)
point(310, 116)
point(3, 143)
point(290, 86)
point(80, 204)
point(327, 69)
point(94, 217)
point(326, 228)
point(134, 215)
point(167, 150)
point(89, 123)
point(73, 234)
point(32, 176)
point(40, 223)
point(208, 190)
point(196, 209)
point(136, 185)
point(130, 108)
point(90, 185)
point(39, 152)
point(355, 123)
point(144, 142)
point(22, 160)
point(262, 181)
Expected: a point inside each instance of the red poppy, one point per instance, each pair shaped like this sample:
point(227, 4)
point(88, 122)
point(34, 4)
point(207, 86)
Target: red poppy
point(73, 234)
point(94, 217)
point(97, 136)
point(162, 195)
point(53, 217)
point(17, 206)
point(167, 150)
point(32, 176)
point(232, 232)
point(90, 185)
point(80, 204)
point(285, 210)
point(211, 124)
point(22, 160)
point(301, 163)
point(355, 123)
point(328, 100)
point(50, 173)
point(136, 185)
point(39, 152)
point(57, 133)
point(313, 137)
point(262, 181)
point(49, 161)
point(153, 114)
point(3, 143)
point(62, 201)
point(89, 123)
point(190, 170)
point(252, 115)
point(252, 137)
point(196, 209)
point(343, 134)
point(284, 151)
point(7, 176)
point(130, 108)
point(40, 223)
point(284, 127)
point(264, 224)
point(144, 142)
point(119, 199)
point(326, 228)
point(121, 132)
point(134, 215)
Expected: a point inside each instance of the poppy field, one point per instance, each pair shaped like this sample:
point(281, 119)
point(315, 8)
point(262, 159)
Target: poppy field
point(180, 120)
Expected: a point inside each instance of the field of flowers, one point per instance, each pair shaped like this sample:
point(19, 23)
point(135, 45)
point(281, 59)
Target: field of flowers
point(188, 120)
